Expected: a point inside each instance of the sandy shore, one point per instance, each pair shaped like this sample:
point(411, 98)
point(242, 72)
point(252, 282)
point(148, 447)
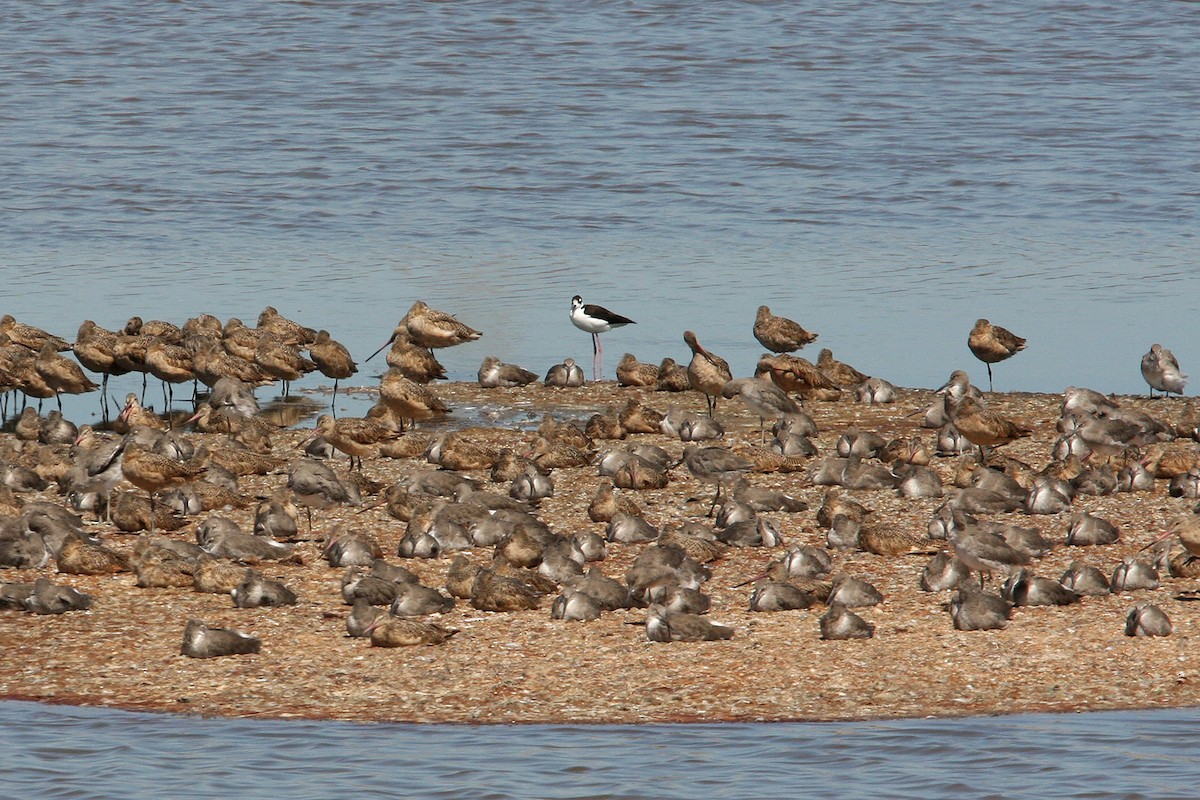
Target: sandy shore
point(525, 667)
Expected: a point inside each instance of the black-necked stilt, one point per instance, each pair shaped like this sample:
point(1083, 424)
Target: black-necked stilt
point(595, 320)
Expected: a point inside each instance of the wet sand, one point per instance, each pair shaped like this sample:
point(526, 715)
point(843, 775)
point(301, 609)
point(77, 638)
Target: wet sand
point(524, 667)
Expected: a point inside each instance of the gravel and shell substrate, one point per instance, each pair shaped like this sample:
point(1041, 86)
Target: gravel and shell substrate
point(524, 667)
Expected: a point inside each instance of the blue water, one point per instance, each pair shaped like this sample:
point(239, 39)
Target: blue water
point(884, 173)
point(75, 753)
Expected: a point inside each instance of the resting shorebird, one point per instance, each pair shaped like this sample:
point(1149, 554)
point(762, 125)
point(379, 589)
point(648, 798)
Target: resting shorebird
point(595, 320)
point(991, 343)
point(1161, 371)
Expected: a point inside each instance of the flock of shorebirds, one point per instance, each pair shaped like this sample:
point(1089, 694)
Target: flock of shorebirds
point(1102, 448)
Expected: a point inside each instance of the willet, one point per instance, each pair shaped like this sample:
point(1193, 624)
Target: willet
point(1161, 371)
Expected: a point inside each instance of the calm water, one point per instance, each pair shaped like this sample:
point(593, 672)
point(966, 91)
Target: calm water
point(883, 172)
point(75, 753)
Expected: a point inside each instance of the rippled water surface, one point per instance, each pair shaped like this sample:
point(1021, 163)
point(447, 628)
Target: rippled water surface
point(73, 753)
point(884, 173)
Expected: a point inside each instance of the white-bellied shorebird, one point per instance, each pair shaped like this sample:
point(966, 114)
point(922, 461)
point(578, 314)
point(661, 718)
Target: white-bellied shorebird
point(596, 320)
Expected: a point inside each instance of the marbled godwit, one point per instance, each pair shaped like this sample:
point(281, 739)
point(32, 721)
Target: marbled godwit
point(631, 372)
point(841, 373)
point(77, 557)
point(281, 360)
point(155, 328)
point(494, 592)
point(798, 375)
point(171, 364)
point(134, 415)
point(332, 359)
point(761, 397)
point(212, 363)
point(983, 427)
point(401, 632)
point(596, 320)
point(430, 328)
point(707, 373)
point(60, 373)
point(415, 363)
point(95, 348)
point(779, 334)
point(240, 340)
point(286, 330)
point(356, 436)
point(1145, 619)
point(568, 374)
point(154, 473)
point(672, 377)
point(1187, 528)
point(1161, 371)
point(201, 641)
point(408, 399)
point(30, 337)
point(991, 344)
point(637, 417)
point(495, 373)
point(666, 626)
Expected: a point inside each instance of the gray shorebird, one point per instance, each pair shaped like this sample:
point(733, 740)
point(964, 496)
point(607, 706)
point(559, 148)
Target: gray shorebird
point(568, 374)
point(991, 344)
point(1161, 371)
point(596, 320)
point(201, 641)
point(972, 610)
point(780, 334)
point(762, 397)
point(667, 626)
point(494, 373)
point(715, 465)
point(841, 623)
point(1145, 619)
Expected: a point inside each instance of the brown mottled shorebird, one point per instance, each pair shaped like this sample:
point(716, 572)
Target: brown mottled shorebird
point(596, 320)
point(1187, 528)
point(354, 436)
point(983, 427)
point(60, 373)
point(286, 330)
point(408, 399)
point(841, 373)
point(1161, 371)
point(707, 372)
point(171, 364)
point(672, 377)
point(95, 349)
point(430, 328)
point(30, 337)
point(991, 344)
point(798, 375)
point(332, 359)
point(405, 632)
point(201, 641)
point(631, 372)
point(779, 334)
point(414, 362)
point(281, 360)
point(495, 373)
point(155, 473)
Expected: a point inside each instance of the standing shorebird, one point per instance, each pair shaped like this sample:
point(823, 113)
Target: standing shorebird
point(780, 334)
point(991, 344)
point(981, 426)
point(1161, 371)
point(595, 320)
point(333, 361)
point(707, 372)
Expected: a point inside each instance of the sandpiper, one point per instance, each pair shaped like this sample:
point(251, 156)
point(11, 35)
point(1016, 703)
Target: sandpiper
point(991, 343)
point(1161, 371)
